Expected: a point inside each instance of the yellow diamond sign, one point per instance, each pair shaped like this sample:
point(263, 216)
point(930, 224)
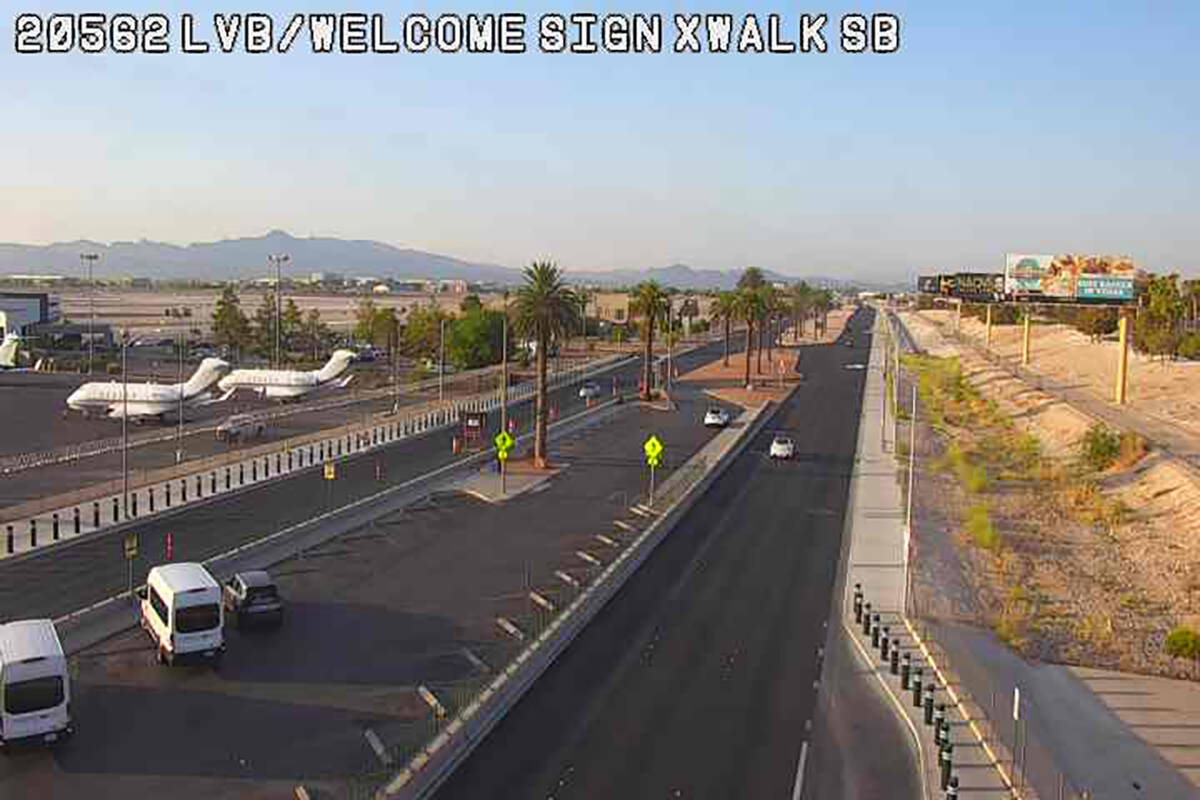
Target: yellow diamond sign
point(504, 441)
point(653, 447)
point(330, 471)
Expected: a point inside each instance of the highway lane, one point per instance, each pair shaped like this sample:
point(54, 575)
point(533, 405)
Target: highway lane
point(698, 678)
point(408, 600)
point(65, 578)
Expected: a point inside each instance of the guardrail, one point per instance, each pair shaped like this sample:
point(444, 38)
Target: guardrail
point(52, 520)
point(477, 710)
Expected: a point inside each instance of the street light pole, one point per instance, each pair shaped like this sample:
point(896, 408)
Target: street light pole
point(442, 362)
point(90, 258)
point(670, 347)
point(124, 425)
point(179, 445)
point(278, 261)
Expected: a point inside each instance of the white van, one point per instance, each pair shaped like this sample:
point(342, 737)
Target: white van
point(181, 610)
point(35, 690)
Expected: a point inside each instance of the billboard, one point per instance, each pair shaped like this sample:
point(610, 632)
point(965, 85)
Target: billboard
point(927, 284)
point(986, 286)
point(1070, 277)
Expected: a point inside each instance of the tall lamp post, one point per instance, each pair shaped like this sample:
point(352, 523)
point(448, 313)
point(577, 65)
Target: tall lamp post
point(179, 435)
point(504, 393)
point(89, 259)
point(124, 425)
point(442, 362)
point(278, 261)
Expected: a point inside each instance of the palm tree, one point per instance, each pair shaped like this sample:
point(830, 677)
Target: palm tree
point(751, 278)
point(649, 301)
point(821, 304)
point(748, 302)
point(802, 298)
point(773, 308)
point(725, 310)
point(545, 309)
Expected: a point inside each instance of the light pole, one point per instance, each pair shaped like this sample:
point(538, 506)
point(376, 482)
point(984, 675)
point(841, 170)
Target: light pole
point(89, 259)
point(504, 394)
point(124, 425)
point(179, 444)
point(278, 261)
point(670, 348)
point(442, 362)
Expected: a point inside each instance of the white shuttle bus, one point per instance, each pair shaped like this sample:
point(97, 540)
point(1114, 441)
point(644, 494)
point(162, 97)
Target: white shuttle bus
point(181, 611)
point(35, 689)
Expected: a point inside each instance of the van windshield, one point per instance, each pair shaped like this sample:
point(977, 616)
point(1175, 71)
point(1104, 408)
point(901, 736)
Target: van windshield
point(38, 694)
point(193, 619)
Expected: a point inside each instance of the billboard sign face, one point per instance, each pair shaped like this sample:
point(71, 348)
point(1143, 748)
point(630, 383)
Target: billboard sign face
point(927, 284)
point(1070, 277)
point(979, 285)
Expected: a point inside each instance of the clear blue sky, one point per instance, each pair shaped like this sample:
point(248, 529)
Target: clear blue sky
point(1028, 127)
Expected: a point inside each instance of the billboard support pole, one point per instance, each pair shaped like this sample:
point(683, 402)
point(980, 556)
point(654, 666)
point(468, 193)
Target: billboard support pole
point(1025, 341)
point(1123, 358)
point(958, 317)
point(989, 325)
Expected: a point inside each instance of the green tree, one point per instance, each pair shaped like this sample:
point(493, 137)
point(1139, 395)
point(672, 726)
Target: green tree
point(1157, 330)
point(293, 325)
point(1095, 323)
point(749, 304)
point(230, 326)
point(476, 339)
point(545, 309)
point(751, 278)
point(364, 320)
point(648, 301)
point(423, 332)
point(264, 325)
point(314, 334)
point(724, 310)
point(802, 298)
point(470, 303)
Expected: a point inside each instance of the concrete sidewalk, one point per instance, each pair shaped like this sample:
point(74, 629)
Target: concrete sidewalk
point(877, 564)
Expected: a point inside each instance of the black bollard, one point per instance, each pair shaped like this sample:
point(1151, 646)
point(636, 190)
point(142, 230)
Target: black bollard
point(905, 669)
point(858, 602)
point(916, 687)
point(33, 533)
point(96, 514)
point(938, 719)
point(883, 646)
point(866, 621)
point(929, 703)
point(116, 509)
point(12, 543)
point(875, 633)
point(55, 526)
point(134, 507)
point(952, 790)
point(895, 656)
point(947, 765)
point(76, 520)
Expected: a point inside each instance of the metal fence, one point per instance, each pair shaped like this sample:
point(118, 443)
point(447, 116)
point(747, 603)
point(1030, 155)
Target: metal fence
point(942, 610)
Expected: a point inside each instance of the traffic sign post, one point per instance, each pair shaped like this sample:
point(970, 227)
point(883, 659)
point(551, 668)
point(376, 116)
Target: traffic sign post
point(504, 442)
point(131, 551)
point(653, 449)
point(330, 477)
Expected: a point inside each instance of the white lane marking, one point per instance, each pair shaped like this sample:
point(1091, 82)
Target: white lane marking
point(623, 525)
point(377, 746)
point(541, 601)
point(606, 540)
point(798, 789)
point(432, 701)
point(567, 579)
point(588, 557)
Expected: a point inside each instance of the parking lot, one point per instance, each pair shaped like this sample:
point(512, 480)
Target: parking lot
point(410, 600)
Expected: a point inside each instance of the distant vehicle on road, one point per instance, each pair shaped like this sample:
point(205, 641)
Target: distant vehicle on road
point(782, 447)
point(252, 597)
point(239, 428)
point(181, 611)
point(589, 390)
point(716, 418)
point(35, 688)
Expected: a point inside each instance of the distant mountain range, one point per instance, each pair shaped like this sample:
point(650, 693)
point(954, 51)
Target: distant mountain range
point(247, 257)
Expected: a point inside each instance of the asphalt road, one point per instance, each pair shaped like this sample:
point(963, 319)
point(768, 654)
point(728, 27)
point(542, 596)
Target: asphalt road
point(59, 580)
point(697, 680)
point(408, 600)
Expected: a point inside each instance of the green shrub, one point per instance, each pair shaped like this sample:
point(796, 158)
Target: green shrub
point(1190, 346)
point(1100, 447)
point(979, 527)
point(1183, 642)
point(974, 478)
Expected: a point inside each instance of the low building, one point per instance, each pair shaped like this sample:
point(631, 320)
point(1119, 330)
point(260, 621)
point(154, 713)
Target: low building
point(20, 310)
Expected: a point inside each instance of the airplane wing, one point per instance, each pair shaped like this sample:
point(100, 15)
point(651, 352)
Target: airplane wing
point(342, 384)
point(221, 399)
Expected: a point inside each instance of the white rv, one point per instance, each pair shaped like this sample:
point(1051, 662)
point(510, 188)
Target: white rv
point(35, 689)
point(181, 611)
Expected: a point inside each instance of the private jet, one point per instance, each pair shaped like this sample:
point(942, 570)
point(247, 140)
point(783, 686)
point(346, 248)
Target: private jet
point(140, 401)
point(284, 384)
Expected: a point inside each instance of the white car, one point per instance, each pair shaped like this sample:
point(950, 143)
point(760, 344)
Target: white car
point(716, 418)
point(589, 390)
point(782, 447)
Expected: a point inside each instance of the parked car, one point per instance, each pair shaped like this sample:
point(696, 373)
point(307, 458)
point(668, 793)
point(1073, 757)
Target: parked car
point(240, 427)
point(252, 597)
point(716, 417)
point(782, 447)
point(589, 390)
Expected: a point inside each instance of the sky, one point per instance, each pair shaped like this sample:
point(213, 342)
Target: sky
point(997, 127)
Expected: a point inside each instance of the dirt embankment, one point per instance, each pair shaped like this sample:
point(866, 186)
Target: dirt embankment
point(1071, 564)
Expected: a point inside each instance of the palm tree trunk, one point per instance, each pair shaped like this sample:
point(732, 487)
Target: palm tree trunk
point(770, 340)
point(749, 347)
point(727, 341)
point(758, 359)
point(542, 411)
point(649, 354)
